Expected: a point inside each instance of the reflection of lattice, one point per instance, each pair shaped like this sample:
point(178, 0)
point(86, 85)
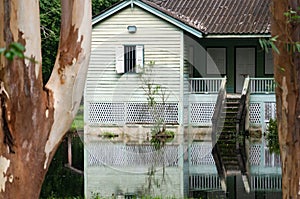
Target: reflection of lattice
point(255, 113)
point(255, 155)
point(106, 113)
point(200, 154)
point(271, 159)
point(108, 154)
point(142, 113)
point(201, 113)
point(270, 110)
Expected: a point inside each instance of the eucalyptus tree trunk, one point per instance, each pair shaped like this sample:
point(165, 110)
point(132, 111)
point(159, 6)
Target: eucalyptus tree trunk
point(34, 118)
point(287, 77)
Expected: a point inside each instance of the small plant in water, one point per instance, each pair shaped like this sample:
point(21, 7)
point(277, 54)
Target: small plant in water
point(108, 135)
point(272, 137)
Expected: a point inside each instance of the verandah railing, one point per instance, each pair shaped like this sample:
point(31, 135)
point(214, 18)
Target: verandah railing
point(212, 85)
point(262, 85)
point(205, 85)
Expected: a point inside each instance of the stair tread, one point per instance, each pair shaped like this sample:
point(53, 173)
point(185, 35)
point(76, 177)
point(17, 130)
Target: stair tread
point(232, 164)
point(234, 172)
point(229, 155)
point(228, 126)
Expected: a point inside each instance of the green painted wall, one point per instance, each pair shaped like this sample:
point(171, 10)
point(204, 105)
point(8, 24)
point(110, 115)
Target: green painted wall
point(231, 45)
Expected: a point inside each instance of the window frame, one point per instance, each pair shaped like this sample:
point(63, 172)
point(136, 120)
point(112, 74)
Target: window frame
point(129, 58)
point(268, 64)
point(222, 69)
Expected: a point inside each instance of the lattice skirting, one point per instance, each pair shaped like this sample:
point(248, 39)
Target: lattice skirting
point(127, 113)
point(122, 155)
point(141, 113)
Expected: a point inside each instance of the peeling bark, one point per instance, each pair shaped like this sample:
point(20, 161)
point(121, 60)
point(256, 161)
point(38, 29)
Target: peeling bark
point(34, 118)
point(287, 76)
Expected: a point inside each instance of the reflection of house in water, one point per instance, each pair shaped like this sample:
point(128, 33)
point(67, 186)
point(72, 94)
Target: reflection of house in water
point(192, 46)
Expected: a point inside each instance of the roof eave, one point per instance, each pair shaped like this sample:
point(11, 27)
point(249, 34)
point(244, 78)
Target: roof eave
point(109, 12)
point(215, 36)
point(150, 9)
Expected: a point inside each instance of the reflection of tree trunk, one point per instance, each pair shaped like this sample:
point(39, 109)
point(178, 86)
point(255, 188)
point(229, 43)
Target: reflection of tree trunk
point(69, 164)
point(287, 76)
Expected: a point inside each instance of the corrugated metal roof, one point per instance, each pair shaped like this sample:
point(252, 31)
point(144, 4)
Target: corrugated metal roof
point(219, 16)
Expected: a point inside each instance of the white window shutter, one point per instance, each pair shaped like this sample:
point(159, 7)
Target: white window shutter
point(120, 59)
point(139, 49)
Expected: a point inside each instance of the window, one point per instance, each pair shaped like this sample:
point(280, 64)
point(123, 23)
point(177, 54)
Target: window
point(216, 61)
point(269, 66)
point(129, 58)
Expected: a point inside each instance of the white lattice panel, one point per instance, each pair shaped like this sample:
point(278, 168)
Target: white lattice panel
point(270, 110)
point(255, 113)
point(255, 155)
point(201, 113)
point(108, 154)
point(106, 113)
point(200, 154)
point(142, 113)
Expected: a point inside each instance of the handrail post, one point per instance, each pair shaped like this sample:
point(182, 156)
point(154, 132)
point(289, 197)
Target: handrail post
point(218, 110)
point(242, 125)
point(215, 124)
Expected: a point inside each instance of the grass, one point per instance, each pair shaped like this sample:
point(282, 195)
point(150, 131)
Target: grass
point(78, 123)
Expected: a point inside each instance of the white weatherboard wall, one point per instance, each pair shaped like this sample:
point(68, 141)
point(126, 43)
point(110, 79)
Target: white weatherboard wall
point(161, 42)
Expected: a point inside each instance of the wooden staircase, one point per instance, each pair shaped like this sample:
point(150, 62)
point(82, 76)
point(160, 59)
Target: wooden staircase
point(229, 137)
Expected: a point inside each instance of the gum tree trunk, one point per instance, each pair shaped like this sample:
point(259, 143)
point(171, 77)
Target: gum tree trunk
point(287, 76)
point(34, 118)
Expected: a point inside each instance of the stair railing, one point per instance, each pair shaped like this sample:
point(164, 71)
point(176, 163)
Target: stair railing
point(242, 115)
point(221, 100)
point(242, 130)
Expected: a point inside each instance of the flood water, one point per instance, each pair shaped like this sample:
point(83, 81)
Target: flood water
point(130, 170)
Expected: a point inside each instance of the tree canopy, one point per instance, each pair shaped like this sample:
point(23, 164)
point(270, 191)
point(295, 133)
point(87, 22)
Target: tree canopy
point(50, 29)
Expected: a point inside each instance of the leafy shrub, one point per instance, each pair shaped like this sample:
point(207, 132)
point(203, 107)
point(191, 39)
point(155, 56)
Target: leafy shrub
point(272, 137)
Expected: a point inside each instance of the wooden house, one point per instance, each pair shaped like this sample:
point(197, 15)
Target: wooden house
point(163, 63)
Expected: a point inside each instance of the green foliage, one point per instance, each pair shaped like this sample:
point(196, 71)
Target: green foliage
point(100, 5)
point(158, 140)
point(266, 44)
point(292, 16)
point(78, 123)
point(50, 17)
point(272, 137)
point(50, 12)
point(61, 182)
point(108, 135)
point(14, 50)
